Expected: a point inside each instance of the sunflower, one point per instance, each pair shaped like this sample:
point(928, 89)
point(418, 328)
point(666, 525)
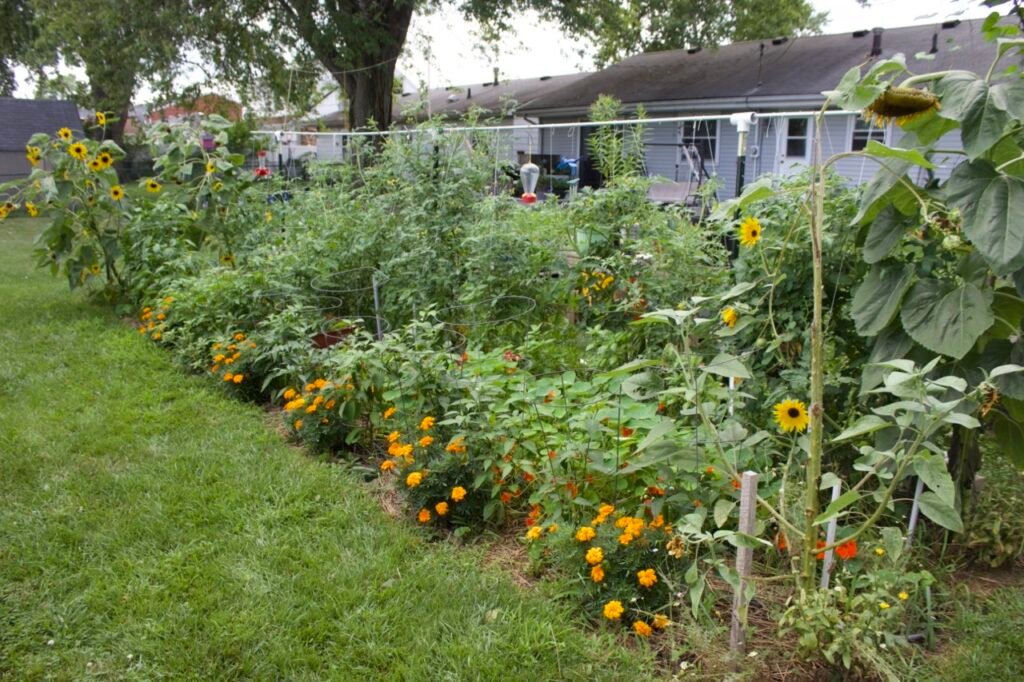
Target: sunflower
point(750, 231)
point(117, 193)
point(105, 158)
point(218, 186)
point(729, 317)
point(34, 155)
point(78, 151)
point(95, 165)
point(901, 105)
point(152, 186)
point(227, 259)
point(101, 118)
point(64, 134)
point(94, 268)
point(211, 168)
point(791, 415)
point(31, 209)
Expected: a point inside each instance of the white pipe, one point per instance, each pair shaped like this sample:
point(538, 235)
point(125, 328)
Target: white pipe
point(830, 537)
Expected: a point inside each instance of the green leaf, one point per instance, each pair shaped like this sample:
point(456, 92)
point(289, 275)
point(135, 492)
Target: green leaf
point(932, 470)
point(891, 344)
point(727, 365)
point(869, 423)
point(844, 501)
point(723, 507)
point(967, 98)
point(941, 513)
point(945, 319)
point(912, 156)
point(1009, 437)
point(885, 233)
point(660, 430)
point(1000, 352)
point(885, 188)
point(878, 297)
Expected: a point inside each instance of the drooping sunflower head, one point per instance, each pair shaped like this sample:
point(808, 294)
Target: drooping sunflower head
point(101, 118)
point(78, 151)
point(117, 193)
point(901, 105)
point(791, 416)
point(750, 231)
point(64, 134)
point(729, 317)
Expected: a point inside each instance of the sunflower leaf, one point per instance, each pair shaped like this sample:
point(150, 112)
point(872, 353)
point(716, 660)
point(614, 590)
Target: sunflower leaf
point(878, 297)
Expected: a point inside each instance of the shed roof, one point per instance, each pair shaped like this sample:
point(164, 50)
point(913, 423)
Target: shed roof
point(779, 68)
point(20, 119)
point(454, 101)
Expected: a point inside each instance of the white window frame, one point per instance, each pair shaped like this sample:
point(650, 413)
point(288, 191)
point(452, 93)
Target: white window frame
point(851, 130)
point(715, 140)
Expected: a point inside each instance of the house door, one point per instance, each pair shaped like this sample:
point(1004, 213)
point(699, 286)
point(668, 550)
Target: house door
point(794, 145)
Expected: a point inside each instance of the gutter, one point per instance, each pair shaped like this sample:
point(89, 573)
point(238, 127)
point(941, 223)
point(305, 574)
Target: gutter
point(744, 103)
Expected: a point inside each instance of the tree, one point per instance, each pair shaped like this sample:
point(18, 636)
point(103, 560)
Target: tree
point(16, 34)
point(116, 45)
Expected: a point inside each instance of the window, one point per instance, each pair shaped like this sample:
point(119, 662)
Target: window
point(703, 135)
point(797, 137)
point(863, 132)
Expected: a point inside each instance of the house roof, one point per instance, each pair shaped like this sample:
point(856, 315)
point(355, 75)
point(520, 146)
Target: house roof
point(20, 119)
point(454, 101)
point(773, 68)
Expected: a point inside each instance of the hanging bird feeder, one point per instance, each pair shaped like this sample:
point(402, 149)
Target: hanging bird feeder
point(529, 174)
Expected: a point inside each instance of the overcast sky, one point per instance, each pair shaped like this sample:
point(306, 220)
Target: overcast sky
point(443, 49)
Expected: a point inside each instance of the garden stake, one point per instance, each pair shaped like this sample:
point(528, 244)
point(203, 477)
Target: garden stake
point(830, 538)
point(744, 558)
point(376, 306)
point(915, 512)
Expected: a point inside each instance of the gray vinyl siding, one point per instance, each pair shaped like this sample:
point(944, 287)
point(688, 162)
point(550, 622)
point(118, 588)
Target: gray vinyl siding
point(662, 151)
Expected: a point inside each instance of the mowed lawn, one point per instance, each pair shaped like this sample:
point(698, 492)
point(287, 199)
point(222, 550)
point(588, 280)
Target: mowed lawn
point(152, 528)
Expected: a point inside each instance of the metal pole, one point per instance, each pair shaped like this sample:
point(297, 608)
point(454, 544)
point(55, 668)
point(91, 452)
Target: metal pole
point(915, 512)
point(744, 559)
point(830, 537)
point(376, 306)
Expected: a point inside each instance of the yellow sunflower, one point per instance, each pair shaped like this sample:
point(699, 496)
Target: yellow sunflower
point(94, 268)
point(64, 134)
point(101, 118)
point(105, 158)
point(211, 168)
point(750, 231)
point(34, 155)
point(791, 415)
point(227, 259)
point(901, 105)
point(95, 165)
point(729, 317)
point(117, 193)
point(78, 151)
point(152, 186)
point(31, 209)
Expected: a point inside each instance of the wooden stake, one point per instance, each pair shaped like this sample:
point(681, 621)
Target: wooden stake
point(744, 559)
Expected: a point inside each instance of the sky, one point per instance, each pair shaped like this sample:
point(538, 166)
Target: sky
point(443, 49)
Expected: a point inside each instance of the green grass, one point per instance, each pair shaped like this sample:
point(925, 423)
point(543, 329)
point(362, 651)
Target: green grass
point(152, 528)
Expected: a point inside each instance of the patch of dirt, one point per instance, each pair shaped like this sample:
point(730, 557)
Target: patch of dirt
point(982, 582)
point(506, 553)
point(386, 496)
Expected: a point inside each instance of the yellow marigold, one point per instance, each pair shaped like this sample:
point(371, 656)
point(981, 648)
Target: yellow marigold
point(750, 231)
point(310, 388)
point(585, 534)
point(289, 393)
point(219, 357)
point(658, 521)
point(441, 508)
point(661, 621)
point(318, 400)
point(603, 512)
point(239, 378)
point(903, 596)
point(405, 451)
point(157, 336)
point(298, 424)
point(387, 465)
point(216, 346)
point(296, 404)
point(414, 479)
point(883, 605)
point(330, 404)
point(312, 409)
point(239, 336)
point(457, 446)
point(427, 423)
point(553, 528)
point(647, 577)
point(595, 555)
point(426, 441)
point(228, 376)
point(625, 539)
point(394, 436)
point(613, 610)
point(597, 573)
point(642, 629)
point(390, 412)
point(458, 493)
point(424, 516)
point(534, 533)
point(161, 317)
point(320, 383)
point(730, 317)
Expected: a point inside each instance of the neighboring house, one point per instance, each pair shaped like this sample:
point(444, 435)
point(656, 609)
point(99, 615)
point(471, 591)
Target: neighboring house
point(192, 111)
point(20, 119)
point(775, 75)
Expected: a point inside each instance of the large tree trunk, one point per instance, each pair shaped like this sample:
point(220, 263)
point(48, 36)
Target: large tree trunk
point(110, 91)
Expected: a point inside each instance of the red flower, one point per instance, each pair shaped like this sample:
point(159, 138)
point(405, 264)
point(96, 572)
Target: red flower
point(571, 487)
point(661, 407)
point(506, 497)
point(552, 454)
point(736, 484)
point(626, 431)
point(511, 357)
point(820, 545)
point(528, 477)
point(655, 491)
point(781, 542)
point(847, 550)
point(262, 172)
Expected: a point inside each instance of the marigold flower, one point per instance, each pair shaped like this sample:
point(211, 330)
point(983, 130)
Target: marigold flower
point(879, 551)
point(750, 231)
point(613, 610)
point(157, 336)
point(458, 493)
point(847, 550)
point(228, 376)
point(883, 605)
point(791, 416)
point(457, 446)
point(424, 516)
point(534, 533)
point(597, 573)
point(298, 424)
point(661, 621)
point(295, 404)
point(427, 423)
point(647, 577)
point(595, 555)
point(288, 394)
point(387, 465)
point(730, 317)
point(426, 441)
point(312, 409)
point(903, 596)
point(414, 479)
point(320, 383)
point(819, 545)
point(239, 378)
point(330, 404)
point(585, 534)
point(553, 528)
point(390, 412)
point(642, 629)
point(441, 508)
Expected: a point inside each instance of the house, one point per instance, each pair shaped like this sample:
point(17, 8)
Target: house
point(202, 105)
point(20, 119)
point(773, 77)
